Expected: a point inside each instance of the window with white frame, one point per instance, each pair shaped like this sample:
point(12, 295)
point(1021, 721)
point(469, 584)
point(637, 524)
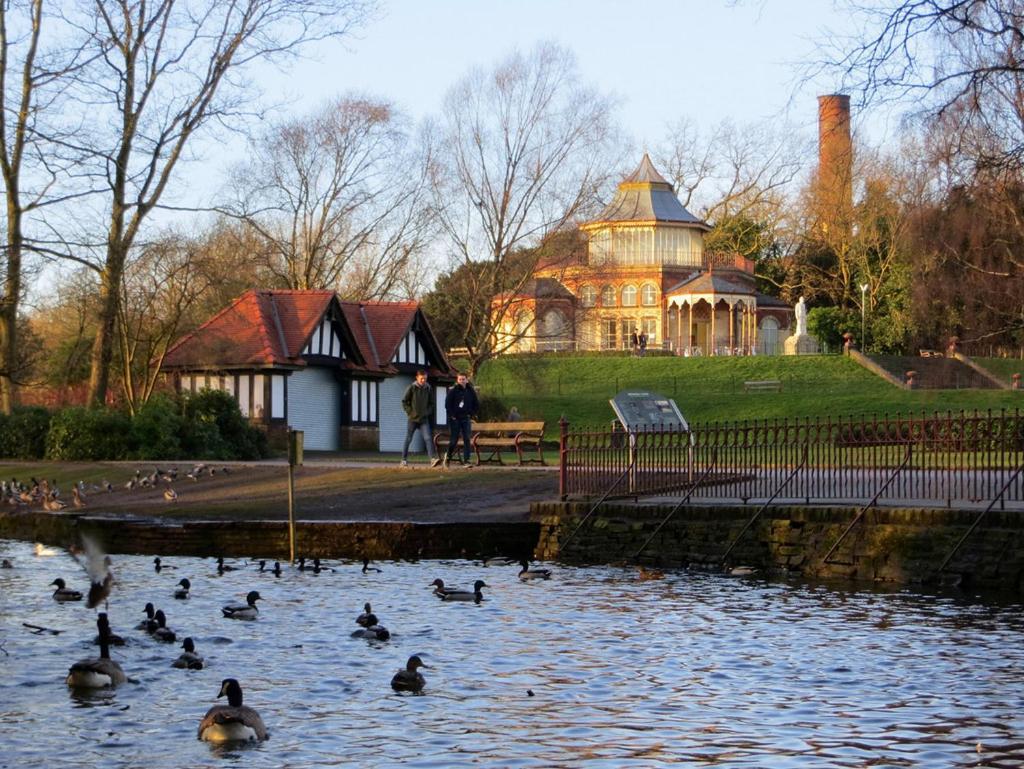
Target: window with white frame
point(649, 295)
point(588, 296)
point(629, 296)
point(608, 296)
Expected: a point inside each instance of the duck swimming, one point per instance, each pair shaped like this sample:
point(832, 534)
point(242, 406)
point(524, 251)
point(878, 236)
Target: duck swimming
point(247, 610)
point(97, 673)
point(440, 590)
point(464, 595)
point(233, 722)
point(372, 630)
point(527, 573)
point(221, 568)
point(63, 593)
point(148, 610)
point(409, 679)
point(182, 592)
point(188, 659)
point(499, 560)
point(277, 568)
point(363, 619)
point(161, 632)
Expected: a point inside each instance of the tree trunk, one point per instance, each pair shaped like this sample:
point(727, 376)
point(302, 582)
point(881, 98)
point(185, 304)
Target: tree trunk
point(9, 314)
point(106, 316)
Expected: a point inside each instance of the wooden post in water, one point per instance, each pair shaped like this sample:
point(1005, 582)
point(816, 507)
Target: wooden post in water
point(295, 441)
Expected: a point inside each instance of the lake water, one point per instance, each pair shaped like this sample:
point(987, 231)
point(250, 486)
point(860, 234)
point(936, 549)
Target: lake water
point(694, 669)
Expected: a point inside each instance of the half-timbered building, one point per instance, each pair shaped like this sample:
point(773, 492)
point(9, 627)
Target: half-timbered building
point(305, 360)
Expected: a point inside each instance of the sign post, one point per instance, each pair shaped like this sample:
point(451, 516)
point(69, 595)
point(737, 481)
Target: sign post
point(295, 441)
point(638, 410)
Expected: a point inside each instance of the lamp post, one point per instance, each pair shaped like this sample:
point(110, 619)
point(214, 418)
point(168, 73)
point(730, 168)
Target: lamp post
point(863, 316)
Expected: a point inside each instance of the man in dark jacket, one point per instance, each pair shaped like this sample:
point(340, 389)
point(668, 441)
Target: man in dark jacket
point(418, 403)
point(462, 405)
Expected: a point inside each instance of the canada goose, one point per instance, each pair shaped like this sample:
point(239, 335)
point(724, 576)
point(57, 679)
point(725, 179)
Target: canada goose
point(149, 611)
point(302, 564)
point(527, 573)
point(99, 591)
point(188, 658)
point(440, 590)
point(247, 610)
point(367, 568)
point(222, 567)
point(372, 630)
point(161, 632)
point(277, 568)
point(182, 592)
point(263, 565)
point(96, 673)
point(233, 722)
point(409, 679)
point(464, 595)
point(363, 619)
point(64, 593)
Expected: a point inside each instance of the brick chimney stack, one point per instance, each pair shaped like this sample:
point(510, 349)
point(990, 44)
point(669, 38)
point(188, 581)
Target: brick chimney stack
point(835, 152)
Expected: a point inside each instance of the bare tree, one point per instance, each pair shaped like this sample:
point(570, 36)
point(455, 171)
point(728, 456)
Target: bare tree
point(524, 151)
point(167, 70)
point(159, 292)
point(338, 199)
point(33, 75)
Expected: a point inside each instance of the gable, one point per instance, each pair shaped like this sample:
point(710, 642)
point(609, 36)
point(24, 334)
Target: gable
point(326, 339)
point(410, 350)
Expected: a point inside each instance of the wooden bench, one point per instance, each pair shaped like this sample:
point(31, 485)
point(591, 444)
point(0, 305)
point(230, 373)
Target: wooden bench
point(766, 385)
point(491, 438)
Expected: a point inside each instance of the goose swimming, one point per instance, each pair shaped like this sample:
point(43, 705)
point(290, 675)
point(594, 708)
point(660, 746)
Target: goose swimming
point(464, 595)
point(182, 592)
point(63, 593)
point(97, 672)
point(409, 679)
point(149, 611)
point(188, 659)
point(247, 610)
point(527, 573)
point(233, 722)
point(367, 568)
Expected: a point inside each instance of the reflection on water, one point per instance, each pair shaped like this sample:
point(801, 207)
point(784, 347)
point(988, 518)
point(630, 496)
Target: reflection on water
point(694, 668)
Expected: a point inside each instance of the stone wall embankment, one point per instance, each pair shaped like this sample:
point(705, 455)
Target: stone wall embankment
point(887, 545)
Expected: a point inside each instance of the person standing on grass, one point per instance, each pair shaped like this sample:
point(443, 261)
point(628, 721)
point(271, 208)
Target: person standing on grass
point(462, 405)
point(418, 403)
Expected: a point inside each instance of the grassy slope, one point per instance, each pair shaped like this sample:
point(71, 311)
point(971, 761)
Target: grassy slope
point(712, 388)
point(1004, 368)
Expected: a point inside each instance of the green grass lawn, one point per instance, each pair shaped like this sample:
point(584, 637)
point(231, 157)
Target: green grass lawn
point(711, 389)
point(1004, 368)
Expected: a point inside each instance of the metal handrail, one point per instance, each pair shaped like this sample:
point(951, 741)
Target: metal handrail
point(764, 507)
point(977, 520)
point(683, 501)
point(869, 505)
point(600, 502)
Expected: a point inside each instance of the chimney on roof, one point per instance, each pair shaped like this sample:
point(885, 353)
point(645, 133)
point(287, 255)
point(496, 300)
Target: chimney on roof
point(835, 153)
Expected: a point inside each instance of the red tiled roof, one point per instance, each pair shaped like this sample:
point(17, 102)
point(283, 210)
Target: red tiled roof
point(260, 328)
point(270, 328)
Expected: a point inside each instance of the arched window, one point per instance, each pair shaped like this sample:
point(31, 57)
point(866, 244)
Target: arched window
point(649, 295)
point(553, 325)
point(608, 296)
point(629, 296)
point(588, 296)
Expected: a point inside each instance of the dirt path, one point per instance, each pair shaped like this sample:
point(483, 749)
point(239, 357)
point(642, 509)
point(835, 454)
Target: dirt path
point(325, 491)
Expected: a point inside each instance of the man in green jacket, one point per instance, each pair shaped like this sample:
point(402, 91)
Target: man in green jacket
point(418, 403)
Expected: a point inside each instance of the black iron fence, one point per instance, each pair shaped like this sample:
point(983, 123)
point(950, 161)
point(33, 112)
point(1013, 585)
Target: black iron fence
point(927, 458)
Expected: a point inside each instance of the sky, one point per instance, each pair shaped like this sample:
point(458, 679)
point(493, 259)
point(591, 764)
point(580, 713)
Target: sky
point(706, 60)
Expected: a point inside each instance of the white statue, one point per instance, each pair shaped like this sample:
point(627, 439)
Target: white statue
point(801, 317)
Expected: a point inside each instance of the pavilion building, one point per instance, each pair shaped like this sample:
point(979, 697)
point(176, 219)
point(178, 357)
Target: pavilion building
point(644, 268)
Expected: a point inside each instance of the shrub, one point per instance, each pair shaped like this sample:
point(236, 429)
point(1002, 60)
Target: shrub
point(492, 409)
point(232, 437)
point(157, 429)
point(89, 434)
point(23, 433)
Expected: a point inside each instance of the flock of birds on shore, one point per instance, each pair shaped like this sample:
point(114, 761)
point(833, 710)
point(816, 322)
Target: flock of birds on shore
point(47, 494)
point(235, 721)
